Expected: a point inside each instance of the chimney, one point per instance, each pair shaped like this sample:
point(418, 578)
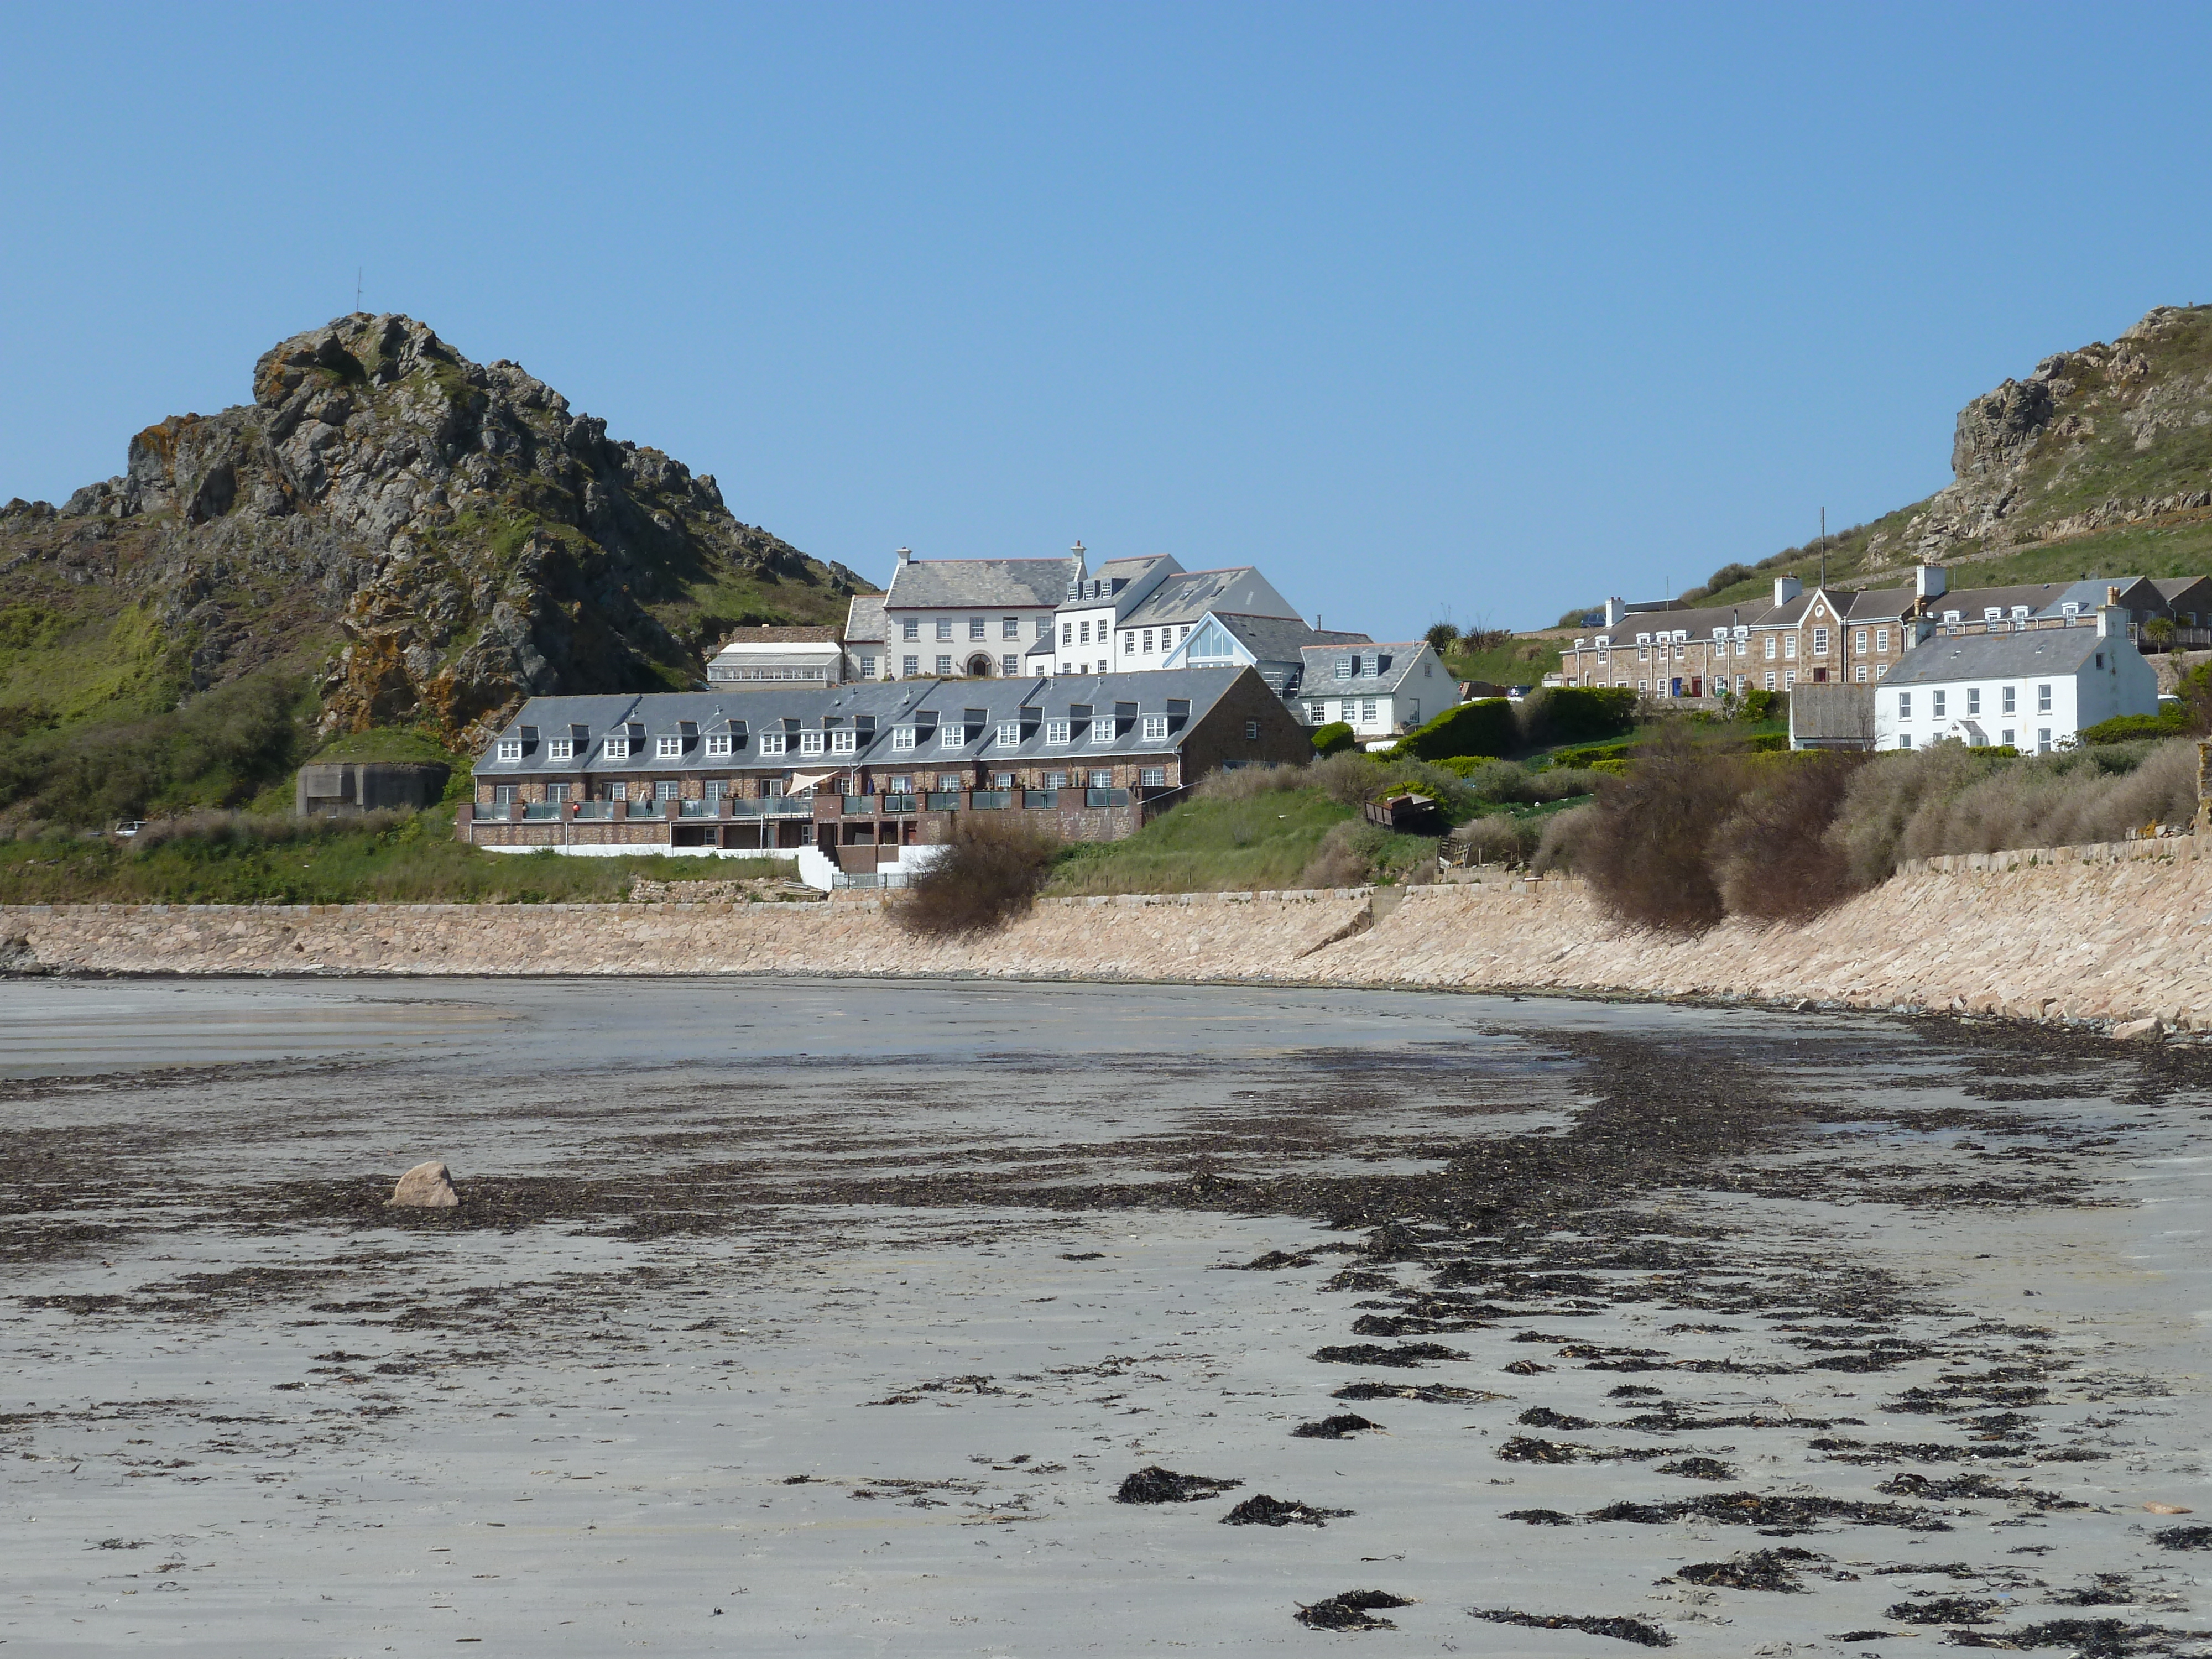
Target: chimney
point(906, 555)
point(2113, 618)
point(1931, 582)
point(1787, 588)
point(1615, 612)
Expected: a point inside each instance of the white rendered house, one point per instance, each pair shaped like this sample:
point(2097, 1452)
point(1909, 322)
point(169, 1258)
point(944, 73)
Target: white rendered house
point(2034, 688)
point(1375, 690)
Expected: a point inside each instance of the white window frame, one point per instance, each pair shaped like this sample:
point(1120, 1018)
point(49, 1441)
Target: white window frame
point(1059, 731)
point(978, 629)
point(1367, 715)
point(560, 748)
point(952, 737)
point(2043, 700)
point(1010, 733)
point(1156, 728)
point(1904, 705)
point(510, 749)
point(910, 667)
point(867, 668)
point(901, 738)
point(844, 743)
point(718, 742)
point(944, 666)
point(810, 743)
point(1101, 728)
point(910, 629)
point(616, 749)
point(1010, 665)
point(2010, 701)
point(1819, 642)
point(1010, 628)
point(773, 743)
point(668, 748)
point(944, 628)
point(1973, 700)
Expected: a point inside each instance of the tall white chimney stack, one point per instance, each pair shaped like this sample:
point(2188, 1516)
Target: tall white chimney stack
point(1787, 588)
point(1931, 582)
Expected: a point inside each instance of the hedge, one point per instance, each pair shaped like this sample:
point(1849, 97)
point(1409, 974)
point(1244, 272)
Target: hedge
point(1333, 738)
point(1486, 727)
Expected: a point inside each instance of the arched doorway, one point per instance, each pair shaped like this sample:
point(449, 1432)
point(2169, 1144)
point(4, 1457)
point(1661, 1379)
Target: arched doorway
point(979, 666)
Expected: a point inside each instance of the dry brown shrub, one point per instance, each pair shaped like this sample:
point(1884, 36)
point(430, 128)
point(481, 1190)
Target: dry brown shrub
point(1771, 857)
point(1250, 782)
point(1498, 839)
point(989, 874)
point(1645, 851)
point(2066, 801)
point(1562, 839)
point(1341, 861)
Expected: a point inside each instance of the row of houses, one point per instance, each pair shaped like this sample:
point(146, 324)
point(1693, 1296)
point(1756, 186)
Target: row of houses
point(845, 778)
point(1034, 619)
point(1850, 637)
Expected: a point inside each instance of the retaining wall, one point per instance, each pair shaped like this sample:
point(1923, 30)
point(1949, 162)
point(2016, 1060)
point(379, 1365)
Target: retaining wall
point(2115, 932)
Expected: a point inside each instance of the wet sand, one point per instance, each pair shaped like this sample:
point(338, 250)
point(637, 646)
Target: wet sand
point(833, 1315)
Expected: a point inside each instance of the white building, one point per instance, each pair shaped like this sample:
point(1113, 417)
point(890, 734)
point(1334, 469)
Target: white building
point(964, 618)
point(1375, 690)
point(1134, 612)
point(765, 655)
point(2034, 689)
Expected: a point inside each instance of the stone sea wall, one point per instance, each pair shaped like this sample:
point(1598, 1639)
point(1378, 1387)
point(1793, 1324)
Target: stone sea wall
point(2116, 933)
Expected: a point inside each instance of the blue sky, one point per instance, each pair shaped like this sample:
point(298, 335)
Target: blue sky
point(1426, 310)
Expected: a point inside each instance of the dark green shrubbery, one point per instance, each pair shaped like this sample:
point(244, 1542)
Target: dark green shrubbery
point(1333, 738)
point(1486, 727)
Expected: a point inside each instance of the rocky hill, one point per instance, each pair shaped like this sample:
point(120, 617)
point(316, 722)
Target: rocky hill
point(426, 540)
point(2100, 462)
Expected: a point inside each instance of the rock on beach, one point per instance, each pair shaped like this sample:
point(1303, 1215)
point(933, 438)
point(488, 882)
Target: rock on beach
point(426, 1187)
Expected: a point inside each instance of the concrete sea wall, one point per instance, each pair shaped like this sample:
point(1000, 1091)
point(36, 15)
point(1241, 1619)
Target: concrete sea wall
point(2095, 933)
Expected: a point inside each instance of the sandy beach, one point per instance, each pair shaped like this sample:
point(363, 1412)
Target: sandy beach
point(833, 1316)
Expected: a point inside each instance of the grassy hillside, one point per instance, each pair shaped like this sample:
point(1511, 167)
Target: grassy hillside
point(406, 861)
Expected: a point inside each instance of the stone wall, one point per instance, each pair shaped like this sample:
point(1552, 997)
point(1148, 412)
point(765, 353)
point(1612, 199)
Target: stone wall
point(2105, 932)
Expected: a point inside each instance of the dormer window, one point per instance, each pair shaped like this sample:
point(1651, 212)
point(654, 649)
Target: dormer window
point(773, 743)
point(668, 748)
point(510, 749)
point(902, 737)
point(617, 749)
point(810, 743)
point(1010, 733)
point(1156, 728)
point(1059, 731)
point(560, 749)
point(844, 743)
point(1102, 729)
point(952, 737)
point(718, 743)
point(1347, 667)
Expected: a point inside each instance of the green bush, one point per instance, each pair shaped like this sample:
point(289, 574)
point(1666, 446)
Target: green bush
point(2173, 722)
point(1483, 728)
point(1577, 713)
point(1333, 738)
point(1760, 705)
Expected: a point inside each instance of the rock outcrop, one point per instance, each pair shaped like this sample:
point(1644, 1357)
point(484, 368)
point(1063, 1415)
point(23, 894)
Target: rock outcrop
point(433, 539)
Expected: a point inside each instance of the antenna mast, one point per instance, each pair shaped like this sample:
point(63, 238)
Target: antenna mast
point(1824, 547)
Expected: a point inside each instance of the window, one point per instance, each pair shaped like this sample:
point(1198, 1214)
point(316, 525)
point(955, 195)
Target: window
point(1769, 648)
point(975, 627)
point(1010, 665)
point(617, 791)
point(666, 789)
point(502, 794)
point(557, 792)
point(1789, 680)
point(1905, 740)
point(2011, 699)
point(1904, 705)
point(773, 743)
point(560, 748)
point(944, 666)
point(1102, 729)
point(1643, 654)
point(1067, 668)
point(1742, 681)
point(618, 749)
point(1055, 780)
point(1066, 634)
point(1010, 733)
point(668, 748)
point(1314, 714)
point(1148, 641)
point(2043, 700)
point(1861, 674)
point(1366, 712)
point(1185, 633)
point(1973, 700)
point(2005, 736)
point(510, 748)
point(1002, 780)
point(1058, 731)
point(1743, 647)
point(1156, 728)
point(844, 743)
point(715, 789)
point(867, 668)
point(1789, 646)
point(1346, 667)
point(1937, 699)
point(910, 630)
point(1819, 642)
point(1881, 639)
point(1645, 685)
point(1769, 679)
point(1428, 671)
point(1082, 632)
point(952, 737)
point(1681, 653)
point(1859, 641)
point(1153, 777)
point(2100, 660)
point(810, 743)
point(2043, 740)
point(945, 628)
point(719, 744)
point(1010, 628)
point(1101, 779)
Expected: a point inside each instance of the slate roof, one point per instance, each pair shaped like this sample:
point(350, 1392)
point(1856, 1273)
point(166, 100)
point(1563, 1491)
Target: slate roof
point(1833, 714)
point(1185, 597)
point(1320, 679)
point(1277, 639)
point(2136, 593)
point(982, 584)
point(930, 703)
point(2008, 656)
point(864, 622)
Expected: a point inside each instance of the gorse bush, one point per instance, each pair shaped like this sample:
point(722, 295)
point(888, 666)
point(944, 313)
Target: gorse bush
point(1646, 852)
point(988, 875)
point(1772, 857)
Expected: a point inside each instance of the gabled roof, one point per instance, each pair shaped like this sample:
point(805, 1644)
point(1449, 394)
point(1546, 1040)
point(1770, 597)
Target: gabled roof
point(1997, 656)
point(2088, 595)
point(1397, 657)
point(952, 584)
point(2172, 589)
point(1269, 639)
point(1187, 597)
point(864, 620)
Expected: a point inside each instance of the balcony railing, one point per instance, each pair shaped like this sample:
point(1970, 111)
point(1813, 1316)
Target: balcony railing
point(540, 809)
point(943, 800)
point(1105, 798)
point(989, 800)
point(858, 806)
point(644, 809)
point(495, 813)
point(1040, 801)
point(595, 808)
point(698, 809)
point(897, 802)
